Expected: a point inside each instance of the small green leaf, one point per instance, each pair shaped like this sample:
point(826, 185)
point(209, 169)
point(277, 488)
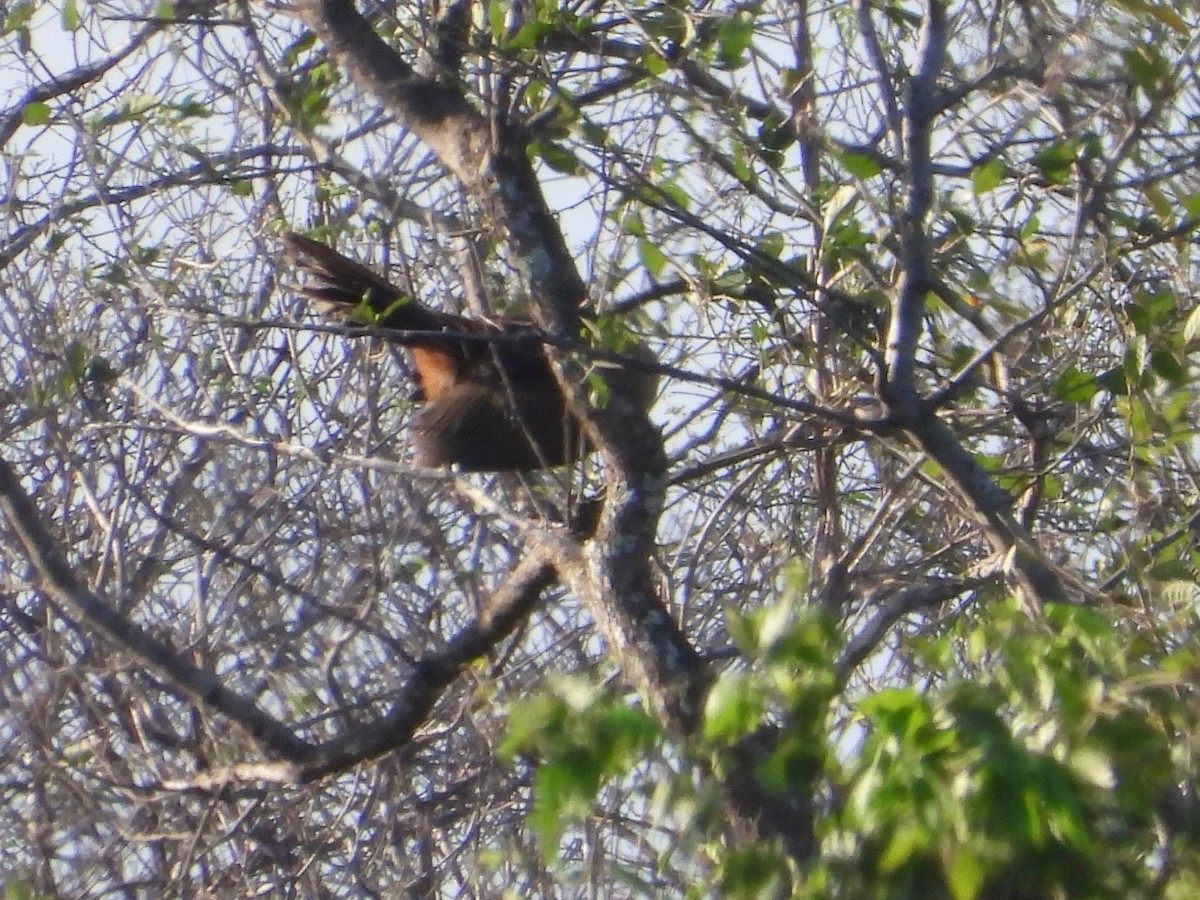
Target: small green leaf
point(1150, 70)
point(652, 257)
point(748, 871)
point(907, 841)
point(859, 165)
point(1167, 366)
point(561, 789)
point(529, 36)
point(771, 244)
point(70, 16)
point(1031, 226)
point(36, 113)
point(190, 108)
point(18, 17)
point(988, 176)
point(654, 63)
point(900, 711)
point(1056, 160)
point(669, 25)
point(497, 19)
point(733, 39)
point(556, 156)
point(594, 134)
point(734, 707)
point(965, 874)
point(598, 392)
point(1074, 386)
point(677, 193)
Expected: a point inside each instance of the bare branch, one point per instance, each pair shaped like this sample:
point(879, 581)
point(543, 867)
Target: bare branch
point(60, 581)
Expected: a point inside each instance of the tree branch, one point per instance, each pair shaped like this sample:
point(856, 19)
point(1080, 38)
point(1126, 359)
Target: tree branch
point(612, 573)
point(985, 501)
point(493, 167)
point(61, 583)
point(296, 759)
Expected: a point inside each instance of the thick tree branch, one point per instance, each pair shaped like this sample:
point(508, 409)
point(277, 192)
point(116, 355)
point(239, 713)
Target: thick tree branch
point(894, 608)
point(507, 606)
point(612, 572)
point(908, 309)
point(296, 759)
point(12, 118)
point(493, 166)
point(984, 500)
point(61, 583)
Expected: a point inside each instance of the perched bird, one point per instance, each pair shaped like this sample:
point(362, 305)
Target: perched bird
point(489, 406)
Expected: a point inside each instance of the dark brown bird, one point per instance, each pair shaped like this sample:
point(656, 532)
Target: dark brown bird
point(490, 406)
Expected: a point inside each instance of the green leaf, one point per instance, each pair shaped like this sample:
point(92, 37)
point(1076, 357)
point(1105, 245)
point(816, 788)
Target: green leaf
point(556, 156)
point(1166, 365)
point(652, 257)
point(70, 16)
point(1074, 386)
point(988, 176)
point(190, 108)
point(774, 136)
point(859, 165)
point(907, 841)
point(1031, 226)
point(536, 723)
point(749, 871)
point(36, 113)
point(733, 39)
point(1055, 161)
point(897, 710)
point(965, 874)
point(654, 63)
point(529, 36)
point(1150, 70)
point(594, 134)
point(497, 19)
point(672, 26)
point(562, 789)
point(18, 16)
point(677, 193)
point(734, 707)
point(771, 244)
point(795, 761)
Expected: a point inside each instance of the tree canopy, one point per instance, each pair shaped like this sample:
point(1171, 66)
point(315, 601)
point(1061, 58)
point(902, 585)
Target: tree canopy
point(892, 594)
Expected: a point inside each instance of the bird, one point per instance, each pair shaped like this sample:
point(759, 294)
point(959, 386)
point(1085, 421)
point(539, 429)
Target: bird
point(487, 405)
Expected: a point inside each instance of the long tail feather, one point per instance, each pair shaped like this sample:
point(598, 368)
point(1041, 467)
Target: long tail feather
point(337, 282)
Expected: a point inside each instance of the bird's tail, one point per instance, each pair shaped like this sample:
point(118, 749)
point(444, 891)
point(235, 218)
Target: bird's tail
point(339, 285)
